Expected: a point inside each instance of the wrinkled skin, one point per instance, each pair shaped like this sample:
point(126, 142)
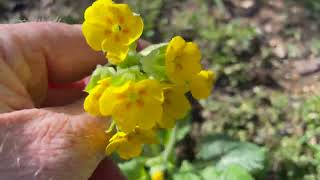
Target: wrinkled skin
point(44, 132)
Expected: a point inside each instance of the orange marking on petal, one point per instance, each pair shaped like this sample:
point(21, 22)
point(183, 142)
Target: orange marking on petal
point(121, 19)
point(128, 106)
point(140, 103)
point(142, 92)
point(107, 32)
point(116, 38)
point(179, 67)
point(109, 21)
point(125, 31)
point(121, 96)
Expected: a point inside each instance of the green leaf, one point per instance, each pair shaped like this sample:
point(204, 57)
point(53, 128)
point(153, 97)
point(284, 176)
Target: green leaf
point(154, 63)
point(134, 169)
point(151, 48)
point(99, 73)
point(187, 172)
point(225, 151)
point(127, 74)
point(132, 59)
point(158, 163)
point(232, 172)
point(235, 172)
point(210, 173)
point(247, 155)
point(186, 176)
point(186, 166)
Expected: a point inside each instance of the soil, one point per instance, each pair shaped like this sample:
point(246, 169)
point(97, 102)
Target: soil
point(298, 68)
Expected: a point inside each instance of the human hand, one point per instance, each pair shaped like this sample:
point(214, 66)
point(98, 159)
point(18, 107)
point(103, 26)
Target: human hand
point(44, 132)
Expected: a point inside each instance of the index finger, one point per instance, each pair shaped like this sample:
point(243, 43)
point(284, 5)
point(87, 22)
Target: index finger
point(60, 46)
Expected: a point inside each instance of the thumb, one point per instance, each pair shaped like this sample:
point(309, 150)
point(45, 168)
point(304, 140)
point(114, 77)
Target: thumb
point(33, 55)
point(42, 53)
point(62, 47)
point(57, 143)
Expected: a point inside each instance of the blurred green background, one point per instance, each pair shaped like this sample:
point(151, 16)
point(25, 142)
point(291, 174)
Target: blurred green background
point(263, 118)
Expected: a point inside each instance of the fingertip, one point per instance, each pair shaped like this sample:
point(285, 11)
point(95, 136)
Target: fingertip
point(64, 94)
point(69, 56)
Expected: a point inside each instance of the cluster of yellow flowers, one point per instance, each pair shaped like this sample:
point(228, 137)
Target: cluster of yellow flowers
point(142, 92)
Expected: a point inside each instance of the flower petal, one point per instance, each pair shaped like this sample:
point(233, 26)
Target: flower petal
point(126, 116)
point(91, 103)
point(149, 115)
point(150, 89)
point(202, 84)
point(130, 150)
point(116, 52)
point(111, 97)
point(133, 34)
point(175, 107)
point(94, 34)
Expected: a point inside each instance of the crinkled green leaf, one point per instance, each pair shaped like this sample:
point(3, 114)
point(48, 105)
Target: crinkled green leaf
point(154, 63)
point(132, 59)
point(187, 172)
point(150, 48)
point(235, 172)
point(127, 74)
point(225, 151)
point(186, 166)
point(210, 173)
point(247, 155)
point(158, 163)
point(134, 169)
point(186, 176)
point(154, 161)
point(99, 73)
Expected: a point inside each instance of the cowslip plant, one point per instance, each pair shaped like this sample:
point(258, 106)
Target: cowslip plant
point(143, 92)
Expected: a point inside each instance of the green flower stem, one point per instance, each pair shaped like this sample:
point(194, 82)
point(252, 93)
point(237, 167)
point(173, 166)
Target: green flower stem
point(170, 145)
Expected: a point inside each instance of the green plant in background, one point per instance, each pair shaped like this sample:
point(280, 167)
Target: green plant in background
point(243, 107)
point(315, 46)
point(229, 45)
point(230, 41)
point(310, 140)
point(312, 5)
point(218, 157)
point(310, 112)
point(298, 153)
point(150, 10)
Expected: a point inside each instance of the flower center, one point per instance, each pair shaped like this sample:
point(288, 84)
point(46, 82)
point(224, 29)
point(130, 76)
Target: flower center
point(133, 97)
point(116, 28)
point(135, 100)
point(179, 67)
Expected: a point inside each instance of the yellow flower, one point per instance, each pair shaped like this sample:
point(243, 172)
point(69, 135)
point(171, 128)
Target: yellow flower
point(133, 104)
point(112, 28)
point(202, 84)
point(175, 106)
point(91, 103)
point(126, 148)
point(182, 60)
point(130, 145)
point(158, 175)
